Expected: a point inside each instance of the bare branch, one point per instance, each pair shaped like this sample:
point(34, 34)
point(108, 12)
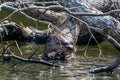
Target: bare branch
point(30, 60)
point(18, 48)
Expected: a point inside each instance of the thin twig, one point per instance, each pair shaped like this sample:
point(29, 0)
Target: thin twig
point(6, 31)
point(100, 52)
point(34, 52)
point(18, 48)
point(85, 53)
point(31, 60)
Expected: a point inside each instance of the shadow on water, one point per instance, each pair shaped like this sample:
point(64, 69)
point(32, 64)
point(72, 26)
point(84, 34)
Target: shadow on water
point(73, 70)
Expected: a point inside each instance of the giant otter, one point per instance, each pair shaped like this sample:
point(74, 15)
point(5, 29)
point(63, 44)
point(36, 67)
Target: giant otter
point(59, 47)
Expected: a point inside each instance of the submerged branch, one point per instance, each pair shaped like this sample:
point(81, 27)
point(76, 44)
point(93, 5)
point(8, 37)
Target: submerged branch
point(30, 60)
point(115, 64)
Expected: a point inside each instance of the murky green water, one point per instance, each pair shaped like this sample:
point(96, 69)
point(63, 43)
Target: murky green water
point(74, 70)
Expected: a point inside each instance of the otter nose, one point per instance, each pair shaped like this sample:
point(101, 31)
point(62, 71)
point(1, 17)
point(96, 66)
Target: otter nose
point(69, 47)
point(59, 55)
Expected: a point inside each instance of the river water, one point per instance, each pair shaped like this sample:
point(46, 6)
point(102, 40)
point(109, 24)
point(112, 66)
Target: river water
point(76, 69)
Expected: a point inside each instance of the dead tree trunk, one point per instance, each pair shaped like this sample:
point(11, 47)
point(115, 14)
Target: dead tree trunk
point(105, 25)
point(13, 31)
point(106, 5)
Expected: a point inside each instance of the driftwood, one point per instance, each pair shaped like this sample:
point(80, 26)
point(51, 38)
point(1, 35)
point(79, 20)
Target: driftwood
point(106, 5)
point(30, 60)
point(17, 32)
point(41, 35)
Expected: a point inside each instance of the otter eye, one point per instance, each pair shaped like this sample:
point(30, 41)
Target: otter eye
point(65, 43)
point(69, 48)
point(70, 43)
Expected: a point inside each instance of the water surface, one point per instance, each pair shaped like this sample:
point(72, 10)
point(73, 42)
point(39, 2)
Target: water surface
point(73, 70)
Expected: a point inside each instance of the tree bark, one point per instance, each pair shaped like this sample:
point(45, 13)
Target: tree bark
point(60, 20)
point(105, 25)
point(13, 31)
point(106, 5)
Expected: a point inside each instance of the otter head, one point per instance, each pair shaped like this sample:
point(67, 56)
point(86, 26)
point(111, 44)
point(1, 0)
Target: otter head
point(59, 47)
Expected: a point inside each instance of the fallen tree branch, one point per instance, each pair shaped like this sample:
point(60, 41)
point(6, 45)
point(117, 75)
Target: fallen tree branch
point(6, 5)
point(114, 65)
point(30, 60)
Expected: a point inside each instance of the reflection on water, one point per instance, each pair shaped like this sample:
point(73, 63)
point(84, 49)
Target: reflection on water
point(74, 70)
